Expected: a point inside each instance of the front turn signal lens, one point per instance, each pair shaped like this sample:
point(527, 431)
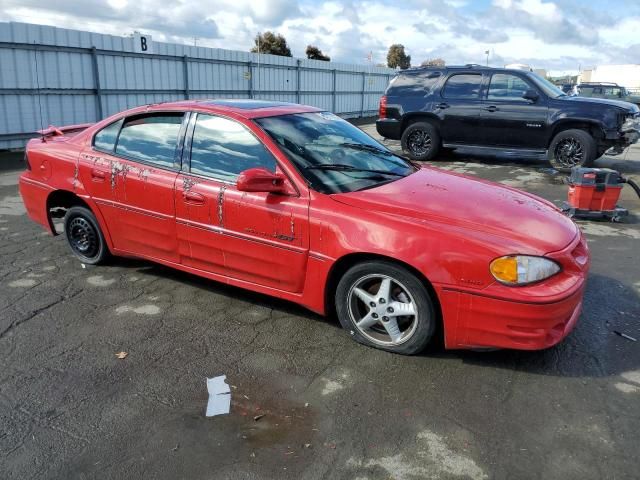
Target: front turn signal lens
point(522, 269)
point(505, 269)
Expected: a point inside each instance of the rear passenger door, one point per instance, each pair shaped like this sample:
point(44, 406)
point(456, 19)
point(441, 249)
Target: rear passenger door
point(135, 178)
point(459, 109)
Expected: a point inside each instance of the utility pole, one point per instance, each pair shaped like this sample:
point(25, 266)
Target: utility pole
point(487, 54)
point(258, 65)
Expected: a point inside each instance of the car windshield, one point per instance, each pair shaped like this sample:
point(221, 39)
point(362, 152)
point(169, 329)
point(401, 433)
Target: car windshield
point(549, 88)
point(333, 155)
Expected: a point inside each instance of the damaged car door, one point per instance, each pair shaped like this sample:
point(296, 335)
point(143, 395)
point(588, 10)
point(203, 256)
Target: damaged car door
point(130, 173)
point(258, 237)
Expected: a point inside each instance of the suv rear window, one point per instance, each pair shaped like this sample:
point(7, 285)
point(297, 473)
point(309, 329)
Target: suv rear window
point(414, 83)
point(463, 85)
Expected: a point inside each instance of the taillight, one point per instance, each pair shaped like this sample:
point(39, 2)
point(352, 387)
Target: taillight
point(26, 161)
point(382, 110)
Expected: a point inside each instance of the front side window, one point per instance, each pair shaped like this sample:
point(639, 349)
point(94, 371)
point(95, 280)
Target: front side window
point(105, 139)
point(223, 148)
point(463, 85)
point(507, 87)
point(150, 138)
point(333, 155)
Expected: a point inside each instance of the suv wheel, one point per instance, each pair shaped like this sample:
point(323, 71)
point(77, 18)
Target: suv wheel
point(572, 148)
point(385, 306)
point(421, 141)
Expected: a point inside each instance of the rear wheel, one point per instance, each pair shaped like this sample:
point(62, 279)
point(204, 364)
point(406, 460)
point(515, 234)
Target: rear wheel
point(572, 148)
point(84, 236)
point(385, 306)
point(420, 141)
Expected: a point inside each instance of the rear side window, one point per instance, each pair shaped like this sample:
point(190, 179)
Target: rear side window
point(105, 139)
point(463, 85)
point(150, 138)
point(414, 83)
point(222, 148)
point(504, 86)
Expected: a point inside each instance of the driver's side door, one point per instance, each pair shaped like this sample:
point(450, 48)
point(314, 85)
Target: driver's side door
point(508, 119)
point(257, 237)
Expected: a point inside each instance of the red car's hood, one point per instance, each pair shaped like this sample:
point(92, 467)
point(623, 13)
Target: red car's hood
point(435, 195)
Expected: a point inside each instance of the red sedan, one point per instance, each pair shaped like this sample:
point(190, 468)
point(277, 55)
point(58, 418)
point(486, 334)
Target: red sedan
point(294, 202)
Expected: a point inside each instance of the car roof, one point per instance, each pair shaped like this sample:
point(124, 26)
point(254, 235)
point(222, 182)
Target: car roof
point(466, 68)
point(247, 108)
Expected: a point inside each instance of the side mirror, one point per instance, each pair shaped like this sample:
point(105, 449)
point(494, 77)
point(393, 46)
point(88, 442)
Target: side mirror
point(531, 94)
point(261, 180)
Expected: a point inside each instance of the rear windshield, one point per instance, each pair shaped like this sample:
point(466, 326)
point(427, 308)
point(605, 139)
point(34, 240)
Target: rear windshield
point(418, 83)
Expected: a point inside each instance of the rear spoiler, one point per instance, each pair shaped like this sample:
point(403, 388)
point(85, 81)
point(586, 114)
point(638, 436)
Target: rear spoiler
point(53, 131)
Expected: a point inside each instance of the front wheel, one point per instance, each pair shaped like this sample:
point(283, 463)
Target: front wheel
point(420, 141)
point(383, 305)
point(572, 148)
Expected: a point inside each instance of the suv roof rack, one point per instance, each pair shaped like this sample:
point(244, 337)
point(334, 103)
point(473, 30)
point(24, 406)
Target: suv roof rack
point(611, 84)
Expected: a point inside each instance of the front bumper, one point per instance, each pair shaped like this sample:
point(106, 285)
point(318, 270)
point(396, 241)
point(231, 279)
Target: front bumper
point(631, 136)
point(524, 318)
point(489, 322)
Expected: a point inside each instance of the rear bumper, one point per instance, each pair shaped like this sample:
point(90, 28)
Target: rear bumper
point(34, 196)
point(389, 128)
point(489, 322)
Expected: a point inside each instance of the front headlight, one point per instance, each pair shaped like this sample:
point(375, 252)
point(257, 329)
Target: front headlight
point(522, 269)
point(631, 123)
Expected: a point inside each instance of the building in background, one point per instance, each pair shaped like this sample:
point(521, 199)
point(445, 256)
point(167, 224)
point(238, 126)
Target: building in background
point(624, 75)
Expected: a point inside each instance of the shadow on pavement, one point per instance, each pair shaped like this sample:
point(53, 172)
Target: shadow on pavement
point(253, 298)
point(591, 350)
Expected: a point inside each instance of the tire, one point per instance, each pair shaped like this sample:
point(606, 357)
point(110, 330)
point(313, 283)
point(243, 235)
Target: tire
point(421, 141)
point(84, 236)
point(572, 148)
point(357, 299)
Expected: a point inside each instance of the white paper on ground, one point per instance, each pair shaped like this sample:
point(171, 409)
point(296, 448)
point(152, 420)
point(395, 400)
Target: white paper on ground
point(219, 396)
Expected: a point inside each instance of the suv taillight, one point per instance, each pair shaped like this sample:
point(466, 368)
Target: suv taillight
point(382, 110)
point(26, 161)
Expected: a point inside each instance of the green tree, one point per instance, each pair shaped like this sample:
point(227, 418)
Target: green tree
point(396, 57)
point(272, 43)
point(314, 53)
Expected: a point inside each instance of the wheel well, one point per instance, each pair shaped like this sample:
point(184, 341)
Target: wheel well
point(343, 264)
point(419, 117)
point(593, 129)
point(58, 202)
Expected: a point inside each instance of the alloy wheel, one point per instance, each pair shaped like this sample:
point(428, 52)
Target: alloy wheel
point(419, 142)
point(383, 310)
point(569, 152)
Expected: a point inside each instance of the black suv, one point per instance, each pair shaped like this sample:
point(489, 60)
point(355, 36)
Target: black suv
point(432, 108)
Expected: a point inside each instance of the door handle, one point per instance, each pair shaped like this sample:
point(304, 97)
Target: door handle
point(491, 108)
point(442, 105)
point(193, 198)
point(98, 175)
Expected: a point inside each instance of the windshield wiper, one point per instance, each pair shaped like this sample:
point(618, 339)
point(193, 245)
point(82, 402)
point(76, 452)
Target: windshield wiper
point(373, 149)
point(366, 148)
point(343, 167)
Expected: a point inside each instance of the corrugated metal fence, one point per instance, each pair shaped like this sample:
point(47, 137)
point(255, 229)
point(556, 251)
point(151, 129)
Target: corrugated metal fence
point(70, 76)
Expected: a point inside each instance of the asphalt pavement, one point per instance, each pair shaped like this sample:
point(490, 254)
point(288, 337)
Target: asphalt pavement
point(306, 401)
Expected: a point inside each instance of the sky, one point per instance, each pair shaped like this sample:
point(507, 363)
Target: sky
point(560, 35)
